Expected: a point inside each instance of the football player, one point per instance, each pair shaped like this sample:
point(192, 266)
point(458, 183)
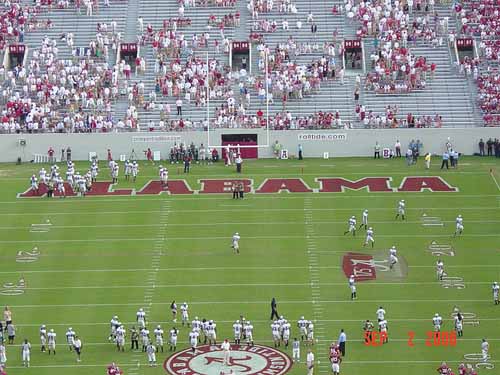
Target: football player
point(401, 209)
point(495, 288)
point(351, 226)
point(364, 222)
point(352, 286)
point(185, 314)
point(436, 322)
point(236, 242)
point(459, 225)
point(369, 237)
point(158, 332)
point(393, 259)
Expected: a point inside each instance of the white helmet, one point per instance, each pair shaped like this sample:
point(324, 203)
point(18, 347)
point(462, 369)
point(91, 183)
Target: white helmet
point(70, 329)
point(302, 317)
point(351, 276)
point(115, 317)
point(238, 321)
point(370, 228)
point(436, 315)
point(141, 310)
point(352, 217)
point(52, 330)
point(195, 318)
point(459, 215)
point(158, 326)
point(237, 234)
point(366, 210)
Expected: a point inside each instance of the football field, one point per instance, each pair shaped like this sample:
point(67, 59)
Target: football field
point(77, 262)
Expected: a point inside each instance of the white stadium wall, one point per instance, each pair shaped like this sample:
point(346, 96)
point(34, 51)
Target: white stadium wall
point(338, 143)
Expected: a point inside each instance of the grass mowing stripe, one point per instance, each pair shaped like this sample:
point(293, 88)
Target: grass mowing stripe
point(323, 222)
point(314, 282)
point(35, 306)
point(256, 210)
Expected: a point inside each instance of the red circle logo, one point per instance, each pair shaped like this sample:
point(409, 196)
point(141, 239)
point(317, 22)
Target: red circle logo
point(243, 359)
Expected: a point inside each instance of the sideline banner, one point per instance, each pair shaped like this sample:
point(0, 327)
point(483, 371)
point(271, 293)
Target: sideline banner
point(329, 137)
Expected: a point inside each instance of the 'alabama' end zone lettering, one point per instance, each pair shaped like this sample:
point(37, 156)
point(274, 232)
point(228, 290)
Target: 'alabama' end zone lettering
point(269, 186)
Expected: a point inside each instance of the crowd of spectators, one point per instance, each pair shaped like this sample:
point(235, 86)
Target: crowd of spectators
point(391, 118)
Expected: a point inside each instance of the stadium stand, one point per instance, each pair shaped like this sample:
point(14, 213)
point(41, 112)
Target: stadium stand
point(76, 79)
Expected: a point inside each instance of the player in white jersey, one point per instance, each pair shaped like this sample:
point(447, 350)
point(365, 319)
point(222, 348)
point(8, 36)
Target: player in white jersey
point(436, 322)
point(380, 314)
point(128, 170)
point(196, 323)
point(26, 353)
point(42, 176)
point(458, 321)
point(248, 328)
point(185, 313)
point(34, 183)
point(382, 327)
point(3, 355)
point(94, 171)
point(401, 209)
point(141, 318)
point(296, 350)
point(275, 330)
point(485, 348)
point(236, 242)
point(459, 225)
point(70, 338)
point(286, 333)
point(82, 186)
point(302, 326)
point(51, 338)
point(310, 333)
point(369, 237)
point(70, 173)
point(135, 170)
point(54, 171)
point(163, 176)
point(158, 332)
point(114, 173)
point(173, 338)
point(120, 338)
point(114, 324)
point(145, 339)
point(440, 269)
point(193, 340)
point(151, 352)
point(495, 289)
point(237, 328)
point(204, 330)
point(351, 226)
point(352, 287)
point(393, 259)
point(364, 222)
point(226, 352)
point(212, 333)
point(43, 338)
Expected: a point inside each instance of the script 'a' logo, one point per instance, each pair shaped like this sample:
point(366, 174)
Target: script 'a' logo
point(243, 360)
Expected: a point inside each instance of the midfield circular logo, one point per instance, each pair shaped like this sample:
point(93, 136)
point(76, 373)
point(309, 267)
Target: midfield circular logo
point(244, 360)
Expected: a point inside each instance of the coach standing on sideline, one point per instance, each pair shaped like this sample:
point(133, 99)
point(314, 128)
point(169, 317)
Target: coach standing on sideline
point(274, 311)
point(342, 339)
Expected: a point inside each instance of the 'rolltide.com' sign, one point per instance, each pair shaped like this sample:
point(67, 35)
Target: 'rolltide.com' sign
point(322, 137)
point(411, 184)
point(247, 360)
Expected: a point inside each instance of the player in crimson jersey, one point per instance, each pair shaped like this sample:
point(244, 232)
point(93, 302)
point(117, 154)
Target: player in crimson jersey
point(334, 350)
point(336, 359)
point(444, 369)
point(462, 370)
point(114, 370)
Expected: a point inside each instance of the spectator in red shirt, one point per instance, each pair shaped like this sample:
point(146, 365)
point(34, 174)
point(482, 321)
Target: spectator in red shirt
point(51, 155)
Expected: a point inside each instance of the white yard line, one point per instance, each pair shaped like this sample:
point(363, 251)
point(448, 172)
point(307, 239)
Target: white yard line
point(494, 179)
point(225, 197)
point(328, 341)
point(218, 238)
point(247, 302)
point(350, 210)
point(197, 269)
point(265, 322)
point(314, 274)
point(312, 266)
point(150, 288)
point(361, 363)
point(293, 222)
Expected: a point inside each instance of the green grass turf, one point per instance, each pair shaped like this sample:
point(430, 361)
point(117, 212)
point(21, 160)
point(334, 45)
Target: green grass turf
point(68, 284)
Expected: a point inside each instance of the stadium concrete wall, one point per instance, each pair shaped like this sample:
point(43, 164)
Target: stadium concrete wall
point(338, 143)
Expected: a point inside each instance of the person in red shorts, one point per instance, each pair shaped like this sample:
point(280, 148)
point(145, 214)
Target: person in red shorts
point(444, 369)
